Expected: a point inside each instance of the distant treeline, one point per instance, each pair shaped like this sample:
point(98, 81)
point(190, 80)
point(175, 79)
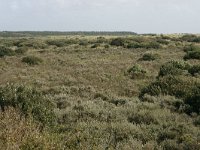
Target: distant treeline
point(56, 33)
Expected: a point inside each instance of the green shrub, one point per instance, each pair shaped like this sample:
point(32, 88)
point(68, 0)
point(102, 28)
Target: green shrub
point(194, 101)
point(149, 57)
point(4, 51)
point(192, 55)
point(21, 50)
point(135, 45)
point(173, 68)
point(32, 60)
point(194, 70)
point(117, 42)
point(29, 101)
point(83, 43)
point(162, 41)
point(58, 42)
point(191, 47)
point(192, 52)
point(137, 72)
point(190, 38)
point(153, 45)
point(180, 87)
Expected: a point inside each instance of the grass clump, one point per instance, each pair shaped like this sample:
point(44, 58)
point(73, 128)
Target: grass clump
point(32, 60)
point(173, 68)
point(29, 101)
point(137, 72)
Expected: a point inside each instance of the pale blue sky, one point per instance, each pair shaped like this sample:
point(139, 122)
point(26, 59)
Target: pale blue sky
point(141, 16)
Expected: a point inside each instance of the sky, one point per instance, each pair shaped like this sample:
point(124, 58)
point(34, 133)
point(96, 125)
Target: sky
point(141, 16)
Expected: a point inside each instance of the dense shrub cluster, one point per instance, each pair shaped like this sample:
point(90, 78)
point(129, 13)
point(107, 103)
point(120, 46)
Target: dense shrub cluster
point(29, 101)
point(174, 68)
point(149, 57)
point(194, 70)
point(171, 83)
point(32, 60)
point(117, 42)
point(190, 38)
point(4, 51)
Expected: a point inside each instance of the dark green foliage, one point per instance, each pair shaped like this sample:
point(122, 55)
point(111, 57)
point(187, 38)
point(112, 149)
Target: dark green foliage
point(32, 60)
point(4, 51)
point(169, 85)
point(117, 42)
point(192, 52)
point(190, 38)
point(61, 42)
point(153, 45)
point(137, 72)
point(191, 47)
point(194, 70)
point(194, 101)
point(149, 57)
point(135, 45)
point(174, 68)
point(146, 45)
point(192, 55)
point(29, 101)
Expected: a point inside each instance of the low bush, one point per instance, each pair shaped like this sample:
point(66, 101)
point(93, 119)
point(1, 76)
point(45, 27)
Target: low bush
point(190, 38)
point(173, 68)
point(192, 55)
point(4, 51)
point(137, 72)
point(32, 60)
point(58, 42)
point(192, 52)
point(191, 47)
point(135, 45)
point(194, 70)
point(153, 45)
point(29, 101)
point(21, 50)
point(117, 42)
point(149, 57)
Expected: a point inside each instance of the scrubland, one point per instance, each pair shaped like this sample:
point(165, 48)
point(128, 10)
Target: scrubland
point(138, 92)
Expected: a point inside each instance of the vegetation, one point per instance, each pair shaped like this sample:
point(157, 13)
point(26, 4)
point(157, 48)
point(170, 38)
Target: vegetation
point(149, 57)
point(32, 60)
point(4, 51)
point(99, 92)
